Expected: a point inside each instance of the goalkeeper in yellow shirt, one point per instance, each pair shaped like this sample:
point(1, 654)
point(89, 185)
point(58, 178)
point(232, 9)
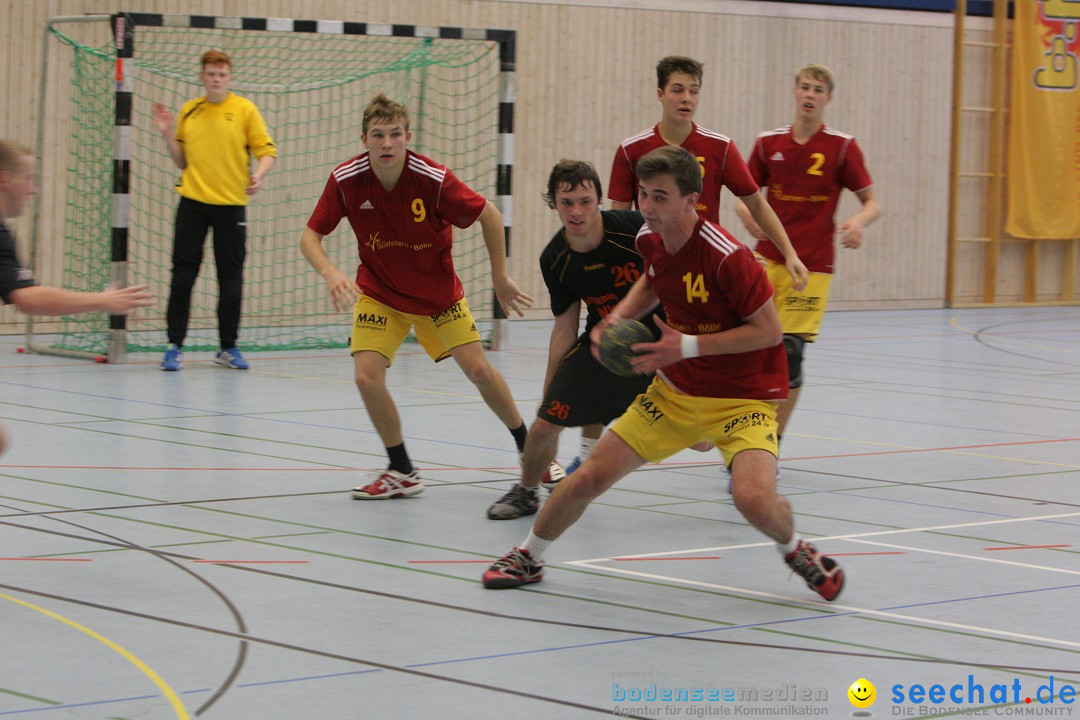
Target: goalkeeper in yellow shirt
point(212, 141)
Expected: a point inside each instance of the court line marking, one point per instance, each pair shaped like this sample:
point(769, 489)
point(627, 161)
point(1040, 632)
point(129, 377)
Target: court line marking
point(977, 558)
point(252, 562)
point(835, 607)
point(44, 559)
point(166, 690)
point(593, 564)
point(1027, 547)
point(848, 536)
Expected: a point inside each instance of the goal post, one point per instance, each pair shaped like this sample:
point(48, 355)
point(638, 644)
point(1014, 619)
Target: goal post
point(311, 80)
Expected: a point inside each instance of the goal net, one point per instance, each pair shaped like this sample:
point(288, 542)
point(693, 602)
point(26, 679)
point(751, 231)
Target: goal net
point(311, 81)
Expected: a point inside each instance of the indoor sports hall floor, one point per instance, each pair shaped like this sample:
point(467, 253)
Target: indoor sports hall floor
point(183, 544)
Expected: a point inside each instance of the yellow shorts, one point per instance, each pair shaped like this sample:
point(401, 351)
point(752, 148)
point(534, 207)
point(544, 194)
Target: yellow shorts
point(662, 421)
point(802, 311)
point(382, 329)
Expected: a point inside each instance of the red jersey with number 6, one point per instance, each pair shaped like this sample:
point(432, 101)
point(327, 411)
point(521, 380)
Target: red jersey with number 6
point(404, 234)
point(804, 184)
point(721, 165)
point(712, 284)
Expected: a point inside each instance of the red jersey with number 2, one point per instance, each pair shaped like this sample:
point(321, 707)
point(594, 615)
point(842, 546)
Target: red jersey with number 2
point(804, 184)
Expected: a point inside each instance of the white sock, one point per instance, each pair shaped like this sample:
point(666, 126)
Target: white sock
point(587, 445)
point(788, 547)
point(535, 545)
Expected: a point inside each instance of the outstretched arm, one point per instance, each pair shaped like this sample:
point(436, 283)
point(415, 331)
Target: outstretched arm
point(45, 300)
point(343, 289)
point(506, 290)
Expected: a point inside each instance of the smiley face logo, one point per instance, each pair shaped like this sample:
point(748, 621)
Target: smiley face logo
point(862, 693)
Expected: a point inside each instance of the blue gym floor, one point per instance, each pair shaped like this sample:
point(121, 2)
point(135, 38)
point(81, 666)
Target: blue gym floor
point(184, 544)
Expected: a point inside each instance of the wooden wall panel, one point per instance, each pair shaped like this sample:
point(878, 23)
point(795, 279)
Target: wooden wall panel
point(586, 80)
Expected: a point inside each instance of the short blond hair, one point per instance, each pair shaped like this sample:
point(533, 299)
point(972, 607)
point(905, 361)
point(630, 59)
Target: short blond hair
point(819, 73)
point(11, 153)
point(384, 111)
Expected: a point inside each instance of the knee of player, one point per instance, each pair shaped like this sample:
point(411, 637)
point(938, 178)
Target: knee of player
point(587, 483)
point(543, 428)
point(752, 491)
point(3, 441)
point(793, 348)
point(481, 372)
point(368, 381)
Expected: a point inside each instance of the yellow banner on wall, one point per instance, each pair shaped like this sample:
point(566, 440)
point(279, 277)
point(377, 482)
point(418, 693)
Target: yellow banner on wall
point(1044, 130)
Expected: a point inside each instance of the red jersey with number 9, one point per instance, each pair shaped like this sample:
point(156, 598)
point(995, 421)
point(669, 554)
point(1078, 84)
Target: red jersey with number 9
point(404, 235)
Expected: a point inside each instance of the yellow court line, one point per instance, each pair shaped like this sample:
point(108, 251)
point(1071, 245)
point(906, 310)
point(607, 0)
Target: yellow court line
point(168, 692)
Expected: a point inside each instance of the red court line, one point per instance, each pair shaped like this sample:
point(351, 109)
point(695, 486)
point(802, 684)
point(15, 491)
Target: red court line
point(640, 559)
point(254, 562)
point(1026, 547)
point(936, 449)
point(26, 559)
point(449, 562)
point(882, 552)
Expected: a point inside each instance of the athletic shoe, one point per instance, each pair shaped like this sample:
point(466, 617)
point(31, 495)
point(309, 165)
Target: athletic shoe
point(520, 501)
point(390, 484)
point(174, 358)
point(554, 475)
point(823, 575)
point(573, 466)
point(231, 358)
point(514, 568)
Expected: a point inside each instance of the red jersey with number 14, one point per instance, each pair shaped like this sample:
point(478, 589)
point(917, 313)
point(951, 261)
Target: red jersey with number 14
point(721, 165)
point(404, 235)
point(804, 184)
point(712, 284)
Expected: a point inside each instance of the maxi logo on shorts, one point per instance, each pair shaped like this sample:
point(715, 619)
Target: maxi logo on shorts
point(450, 314)
point(802, 303)
point(751, 419)
point(647, 409)
point(370, 320)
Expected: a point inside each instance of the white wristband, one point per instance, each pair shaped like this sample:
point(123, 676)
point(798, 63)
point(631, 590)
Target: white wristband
point(689, 346)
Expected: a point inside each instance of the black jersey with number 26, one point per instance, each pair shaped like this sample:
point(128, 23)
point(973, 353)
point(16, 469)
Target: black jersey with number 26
point(599, 278)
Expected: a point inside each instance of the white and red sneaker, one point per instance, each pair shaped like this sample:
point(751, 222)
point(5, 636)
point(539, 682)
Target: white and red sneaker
point(554, 475)
point(515, 568)
point(390, 484)
point(822, 574)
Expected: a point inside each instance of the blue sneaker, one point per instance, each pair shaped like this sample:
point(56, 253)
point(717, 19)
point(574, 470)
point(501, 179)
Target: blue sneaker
point(231, 358)
point(174, 358)
point(573, 466)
